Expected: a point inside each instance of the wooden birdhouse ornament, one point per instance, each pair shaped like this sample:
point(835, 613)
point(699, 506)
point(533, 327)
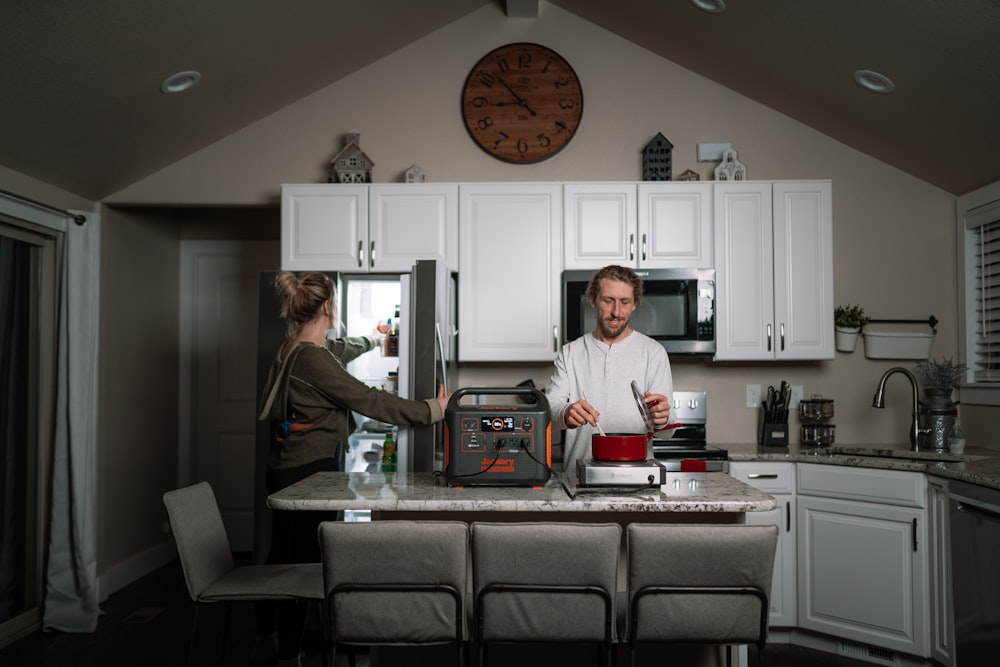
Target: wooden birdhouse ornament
point(351, 165)
point(730, 169)
point(657, 160)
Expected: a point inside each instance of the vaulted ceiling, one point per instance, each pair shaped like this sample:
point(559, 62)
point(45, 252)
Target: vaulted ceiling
point(78, 110)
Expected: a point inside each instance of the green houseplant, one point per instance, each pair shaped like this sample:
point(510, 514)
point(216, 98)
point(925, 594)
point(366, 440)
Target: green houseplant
point(939, 377)
point(848, 321)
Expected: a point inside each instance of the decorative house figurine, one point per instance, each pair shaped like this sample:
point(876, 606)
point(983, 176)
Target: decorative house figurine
point(414, 174)
point(689, 175)
point(730, 169)
point(657, 162)
point(351, 165)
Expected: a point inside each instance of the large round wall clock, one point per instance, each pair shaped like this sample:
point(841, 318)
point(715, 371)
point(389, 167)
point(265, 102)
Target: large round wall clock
point(522, 103)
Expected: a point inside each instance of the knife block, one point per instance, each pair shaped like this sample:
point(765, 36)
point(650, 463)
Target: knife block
point(771, 434)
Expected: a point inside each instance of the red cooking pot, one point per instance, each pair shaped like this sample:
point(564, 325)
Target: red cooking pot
point(619, 447)
point(628, 447)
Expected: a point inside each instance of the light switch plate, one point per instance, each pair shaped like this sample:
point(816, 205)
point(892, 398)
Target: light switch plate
point(753, 395)
point(712, 152)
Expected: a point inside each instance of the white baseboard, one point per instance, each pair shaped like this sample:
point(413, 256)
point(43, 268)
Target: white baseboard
point(121, 575)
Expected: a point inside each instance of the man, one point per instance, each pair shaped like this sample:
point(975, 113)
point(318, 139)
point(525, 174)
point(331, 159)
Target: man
point(593, 374)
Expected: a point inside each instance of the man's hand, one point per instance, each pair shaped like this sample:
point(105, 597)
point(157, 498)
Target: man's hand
point(580, 413)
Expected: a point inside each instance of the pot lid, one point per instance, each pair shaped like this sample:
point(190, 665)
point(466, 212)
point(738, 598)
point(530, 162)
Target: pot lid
point(644, 411)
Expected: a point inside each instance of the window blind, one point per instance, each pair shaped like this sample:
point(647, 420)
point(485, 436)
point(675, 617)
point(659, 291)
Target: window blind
point(986, 365)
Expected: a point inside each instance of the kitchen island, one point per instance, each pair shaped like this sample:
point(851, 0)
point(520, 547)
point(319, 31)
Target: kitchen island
point(684, 493)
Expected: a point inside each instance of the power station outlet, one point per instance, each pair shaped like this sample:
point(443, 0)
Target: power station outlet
point(793, 401)
point(753, 395)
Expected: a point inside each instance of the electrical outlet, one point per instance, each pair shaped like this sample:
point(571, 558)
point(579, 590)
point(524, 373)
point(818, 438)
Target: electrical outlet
point(793, 401)
point(753, 395)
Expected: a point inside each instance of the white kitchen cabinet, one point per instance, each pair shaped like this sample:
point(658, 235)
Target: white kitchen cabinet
point(509, 271)
point(774, 270)
point(778, 480)
point(863, 564)
point(942, 617)
point(641, 225)
point(368, 228)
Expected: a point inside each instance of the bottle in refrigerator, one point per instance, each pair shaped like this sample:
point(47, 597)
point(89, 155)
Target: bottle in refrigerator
point(389, 453)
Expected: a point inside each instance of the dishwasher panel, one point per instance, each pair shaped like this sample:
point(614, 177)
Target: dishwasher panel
point(974, 514)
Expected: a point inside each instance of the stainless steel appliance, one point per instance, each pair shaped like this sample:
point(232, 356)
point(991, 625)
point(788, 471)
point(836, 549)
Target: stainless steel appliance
point(975, 541)
point(687, 451)
point(677, 308)
point(690, 442)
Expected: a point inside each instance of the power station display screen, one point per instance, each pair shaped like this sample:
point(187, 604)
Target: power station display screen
point(497, 424)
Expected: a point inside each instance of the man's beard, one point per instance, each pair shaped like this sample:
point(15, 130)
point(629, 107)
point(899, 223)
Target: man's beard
point(608, 332)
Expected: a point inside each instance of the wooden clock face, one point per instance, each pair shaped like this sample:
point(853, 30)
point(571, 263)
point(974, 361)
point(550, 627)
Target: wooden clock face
point(522, 103)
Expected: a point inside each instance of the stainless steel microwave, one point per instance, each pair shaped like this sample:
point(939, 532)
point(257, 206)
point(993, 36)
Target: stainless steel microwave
point(677, 308)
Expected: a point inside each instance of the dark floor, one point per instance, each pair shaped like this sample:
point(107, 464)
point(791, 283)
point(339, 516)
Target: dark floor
point(148, 623)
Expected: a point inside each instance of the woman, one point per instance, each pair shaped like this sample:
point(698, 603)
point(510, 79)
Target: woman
point(309, 398)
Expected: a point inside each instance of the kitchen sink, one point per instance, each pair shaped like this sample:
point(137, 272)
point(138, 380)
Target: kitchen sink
point(936, 456)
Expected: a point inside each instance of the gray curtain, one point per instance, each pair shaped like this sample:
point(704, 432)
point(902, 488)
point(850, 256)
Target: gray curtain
point(71, 598)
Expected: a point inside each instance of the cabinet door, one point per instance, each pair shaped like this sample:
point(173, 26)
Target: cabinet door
point(324, 227)
point(675, 225)
point(509, 266)
point(413, 221)
point(778, 479)
point(744, 296)
point(803, 270)
point(600, 224)
point(863, 572)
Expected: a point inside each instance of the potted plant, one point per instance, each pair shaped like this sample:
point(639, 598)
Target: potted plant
point(939, 378)
point(848, 321)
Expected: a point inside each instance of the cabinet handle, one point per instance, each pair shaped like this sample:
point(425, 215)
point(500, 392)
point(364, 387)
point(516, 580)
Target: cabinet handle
point(631, 246)
point(762, 475)
point(914, 534)
point(768, 337)
point(555, 338)
point(788, 517)
point(782, 328)
point(371, 258)
point(361, 250)
point(644, 247)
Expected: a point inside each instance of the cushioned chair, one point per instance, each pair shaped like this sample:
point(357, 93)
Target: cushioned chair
point(209, 570)
point(395, 583)
point(546, 582)
point(699, 584)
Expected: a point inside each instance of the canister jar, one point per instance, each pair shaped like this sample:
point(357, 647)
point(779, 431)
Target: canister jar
point(815, 409)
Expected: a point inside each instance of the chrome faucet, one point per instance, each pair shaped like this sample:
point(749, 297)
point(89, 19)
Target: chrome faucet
point(879, 402)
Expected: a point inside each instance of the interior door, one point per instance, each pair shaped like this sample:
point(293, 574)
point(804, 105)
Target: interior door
point(219, 393)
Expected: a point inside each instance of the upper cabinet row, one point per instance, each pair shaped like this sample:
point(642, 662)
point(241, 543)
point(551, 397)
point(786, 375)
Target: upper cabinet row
point(769, 242)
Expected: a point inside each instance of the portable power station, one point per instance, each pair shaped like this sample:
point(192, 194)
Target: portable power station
point(502, 443)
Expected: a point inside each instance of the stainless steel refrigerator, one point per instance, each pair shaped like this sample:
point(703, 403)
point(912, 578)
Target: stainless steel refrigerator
point(426, 297)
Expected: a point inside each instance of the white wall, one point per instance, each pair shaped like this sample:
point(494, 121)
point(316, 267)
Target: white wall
point(894, 242)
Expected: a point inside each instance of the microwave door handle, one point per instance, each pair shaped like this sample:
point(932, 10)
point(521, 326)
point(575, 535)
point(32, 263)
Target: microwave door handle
point(631, 247)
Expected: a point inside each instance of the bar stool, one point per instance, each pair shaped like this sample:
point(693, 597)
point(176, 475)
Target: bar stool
point(545, 582)
point(397, 583)
point(699, 584)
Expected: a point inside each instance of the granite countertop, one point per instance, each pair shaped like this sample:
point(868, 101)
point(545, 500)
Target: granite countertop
point(427, 492)
point(975, 465)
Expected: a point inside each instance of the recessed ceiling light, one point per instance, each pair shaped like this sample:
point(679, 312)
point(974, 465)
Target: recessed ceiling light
point(713, 6)
point(874, 81)
point(178, 83)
